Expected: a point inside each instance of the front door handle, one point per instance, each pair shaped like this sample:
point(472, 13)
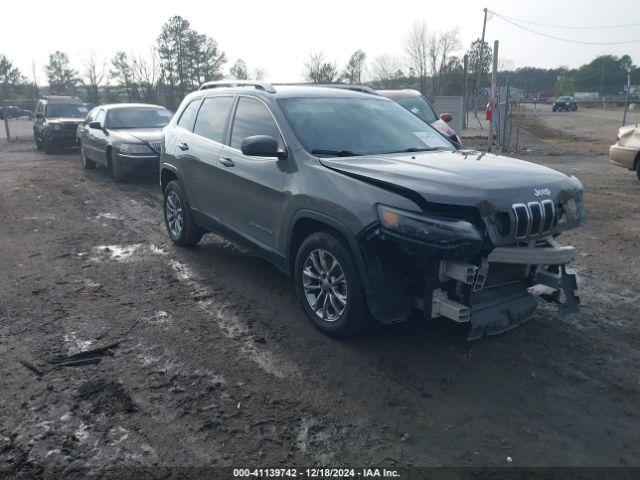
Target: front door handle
point(227, 162)
point(183, 146)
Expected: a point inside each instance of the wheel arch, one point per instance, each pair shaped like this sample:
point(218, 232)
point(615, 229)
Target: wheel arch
point(306, 222)
point(168, 173)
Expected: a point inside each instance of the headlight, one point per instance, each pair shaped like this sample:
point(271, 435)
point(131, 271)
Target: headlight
point(440, 232)
point(56, 126)
point(135, 148)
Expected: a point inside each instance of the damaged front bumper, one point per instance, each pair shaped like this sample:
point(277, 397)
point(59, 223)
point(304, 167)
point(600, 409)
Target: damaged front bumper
point(495, 303)
point(501, 307)
point(491, 292)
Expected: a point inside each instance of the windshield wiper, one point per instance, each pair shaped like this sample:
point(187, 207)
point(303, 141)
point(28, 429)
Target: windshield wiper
point(334, 153)
point(417, 149)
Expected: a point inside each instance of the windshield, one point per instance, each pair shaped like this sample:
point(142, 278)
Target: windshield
point(143, 117)
point(346, 126)
point(66, 110)
point(419, 107)
point(564, 99)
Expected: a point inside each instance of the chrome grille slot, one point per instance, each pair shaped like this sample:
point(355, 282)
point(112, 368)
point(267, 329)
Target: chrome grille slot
point(549, 215)
point(521, 213)
point(537, 218)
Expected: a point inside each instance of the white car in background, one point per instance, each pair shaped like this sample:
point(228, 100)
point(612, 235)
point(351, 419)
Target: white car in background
point(626, 151)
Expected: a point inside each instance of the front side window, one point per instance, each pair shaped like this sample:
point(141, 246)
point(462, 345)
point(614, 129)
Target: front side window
point(100, 117)
point(74, 110)
point(348, 126)
point(138, 117)
point(252, 118)
point(419, 107)
point(212, 118)
point(90, 116)
point(189, 114)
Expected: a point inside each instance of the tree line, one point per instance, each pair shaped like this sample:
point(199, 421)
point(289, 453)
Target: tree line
point(433, 62)
point(181, 60)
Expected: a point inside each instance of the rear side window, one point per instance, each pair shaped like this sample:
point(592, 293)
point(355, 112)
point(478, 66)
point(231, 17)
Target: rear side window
point(212, 118)
point(252, 118)
point(419, 107)
point(189, 115)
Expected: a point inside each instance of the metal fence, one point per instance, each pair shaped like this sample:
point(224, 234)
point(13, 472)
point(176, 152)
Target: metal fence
point(16, 119)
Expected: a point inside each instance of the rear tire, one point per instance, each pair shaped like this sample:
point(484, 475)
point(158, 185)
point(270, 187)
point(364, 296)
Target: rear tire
point(335, 307)
point(638, 168)
point(86, 163)
point(177, 217)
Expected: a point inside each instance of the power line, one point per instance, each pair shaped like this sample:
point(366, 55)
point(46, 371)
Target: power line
point(563, 39)
point(568, 27)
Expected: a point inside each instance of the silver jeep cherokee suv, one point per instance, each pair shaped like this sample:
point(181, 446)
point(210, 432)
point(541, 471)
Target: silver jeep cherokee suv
point(374, 213)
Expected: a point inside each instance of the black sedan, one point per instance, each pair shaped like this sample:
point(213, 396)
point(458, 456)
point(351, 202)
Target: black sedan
point(564, 104)
point(124, 137)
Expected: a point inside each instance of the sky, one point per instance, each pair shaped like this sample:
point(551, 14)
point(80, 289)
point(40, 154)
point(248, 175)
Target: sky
point(278, 35)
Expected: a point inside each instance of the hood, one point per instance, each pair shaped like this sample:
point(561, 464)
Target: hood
point(146, 135)
point(467, 178)
point(443, 128)
point(76, 120)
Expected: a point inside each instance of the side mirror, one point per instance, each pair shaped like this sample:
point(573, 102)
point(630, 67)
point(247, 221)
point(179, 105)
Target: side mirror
point(95, 125)
point(446, 117)
point(261, 146)
point(39, 115)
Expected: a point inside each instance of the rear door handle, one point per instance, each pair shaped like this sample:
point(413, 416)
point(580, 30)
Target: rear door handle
point(183, 146)
point(227, 162)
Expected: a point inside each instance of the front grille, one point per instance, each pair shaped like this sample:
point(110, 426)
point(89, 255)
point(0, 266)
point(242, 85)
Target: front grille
point(533, 219)
point(69, 127)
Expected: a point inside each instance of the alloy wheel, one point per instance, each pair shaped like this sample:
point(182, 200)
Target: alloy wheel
point(174, 215)
point(325, 285)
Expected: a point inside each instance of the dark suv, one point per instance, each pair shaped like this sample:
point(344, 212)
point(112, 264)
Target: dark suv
point(564, 104)
point(374, 214)
point(56, 121)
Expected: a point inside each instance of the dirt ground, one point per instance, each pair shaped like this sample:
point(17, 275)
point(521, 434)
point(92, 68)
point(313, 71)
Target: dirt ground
point(118, 348)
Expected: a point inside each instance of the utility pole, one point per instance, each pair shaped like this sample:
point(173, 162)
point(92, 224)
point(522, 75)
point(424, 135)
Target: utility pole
point(35, 79)
point(465, 101)
point(602, 78)
point(626, 97)
point(492, 97)
point(6, 120)
point(478, 65)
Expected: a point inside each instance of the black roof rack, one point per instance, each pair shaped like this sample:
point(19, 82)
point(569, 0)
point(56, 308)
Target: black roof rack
point(61, 98)
point(264, 86)
point(343, 86)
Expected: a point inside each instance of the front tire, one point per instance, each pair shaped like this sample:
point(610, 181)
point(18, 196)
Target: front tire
point(86, 163)
point(117, 172)
point(638, 168)
point(328, 286)
point(48, 146)
point(177, 217)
